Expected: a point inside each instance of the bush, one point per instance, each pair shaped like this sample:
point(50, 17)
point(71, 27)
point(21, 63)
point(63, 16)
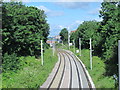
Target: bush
point(10, 62)
point(32, 74)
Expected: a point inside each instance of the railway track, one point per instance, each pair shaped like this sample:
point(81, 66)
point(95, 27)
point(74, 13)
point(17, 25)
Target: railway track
point(78, 74)
point(79, 64)
point(69, 73)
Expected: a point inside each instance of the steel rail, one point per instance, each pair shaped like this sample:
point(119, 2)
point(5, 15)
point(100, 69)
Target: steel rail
point(55, 74)
point(60, 54)
point(62, 72)
point(89, 84)
point(76, 67)
point(70, 70)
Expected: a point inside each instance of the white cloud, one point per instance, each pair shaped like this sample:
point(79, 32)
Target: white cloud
point(94, 11)
point(60, 27)
point(55, 29)
point(70, 27)
point(98, 19)
point(50, 12)
point(44, 8)
point(74, 25)
point(78, 22)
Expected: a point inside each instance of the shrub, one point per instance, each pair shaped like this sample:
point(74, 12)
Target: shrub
point(10, 62)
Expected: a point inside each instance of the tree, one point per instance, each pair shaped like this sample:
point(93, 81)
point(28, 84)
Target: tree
point(110, 31)
point(23, 28)
point(87, 30)
point(64, 35)
point(72, 36)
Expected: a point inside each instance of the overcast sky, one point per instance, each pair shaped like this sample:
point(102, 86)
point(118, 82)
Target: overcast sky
point(67, 14)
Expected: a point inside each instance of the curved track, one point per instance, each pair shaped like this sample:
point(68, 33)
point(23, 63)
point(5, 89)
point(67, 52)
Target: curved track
point(68, 73)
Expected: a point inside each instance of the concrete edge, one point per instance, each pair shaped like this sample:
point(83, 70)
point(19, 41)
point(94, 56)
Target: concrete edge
point(89, 77)
point(51, 75)
point(93, 86)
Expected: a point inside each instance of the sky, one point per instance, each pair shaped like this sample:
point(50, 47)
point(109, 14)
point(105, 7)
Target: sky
point(67, 14)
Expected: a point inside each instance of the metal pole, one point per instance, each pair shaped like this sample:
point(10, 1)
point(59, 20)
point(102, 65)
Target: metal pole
point(68, 40)
point(74, 45)
point(80, 45)
point(53, 50)
point(41, 52)
point(119, 61)
point(90, 55)
point(62, 43)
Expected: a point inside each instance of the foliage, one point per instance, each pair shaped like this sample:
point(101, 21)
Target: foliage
point(10, 62)
point(85, 31)
point(110, 31)
point(23, 28)
point(64, 35)
point(98, 72)
point(74, 36)
point(32, 74)
point(104, 34)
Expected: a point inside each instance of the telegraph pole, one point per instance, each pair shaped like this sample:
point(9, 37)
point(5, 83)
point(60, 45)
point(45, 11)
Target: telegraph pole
point(41, 52)
point(119, 62)
point(80, 45)
point(90, 54)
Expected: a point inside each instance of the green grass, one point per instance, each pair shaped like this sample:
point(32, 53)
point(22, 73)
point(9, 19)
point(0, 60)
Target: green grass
point(32, 75)
point(97, 73)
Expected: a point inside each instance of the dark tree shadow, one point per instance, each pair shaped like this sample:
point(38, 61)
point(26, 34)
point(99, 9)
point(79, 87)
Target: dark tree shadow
point(112, 64)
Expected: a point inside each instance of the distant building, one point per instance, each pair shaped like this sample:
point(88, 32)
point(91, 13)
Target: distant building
point(73, 31)
point(57, 38)
point(50, 42)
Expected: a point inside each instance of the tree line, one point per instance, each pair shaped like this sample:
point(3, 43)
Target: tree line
point(22, 29)
point(104, 34)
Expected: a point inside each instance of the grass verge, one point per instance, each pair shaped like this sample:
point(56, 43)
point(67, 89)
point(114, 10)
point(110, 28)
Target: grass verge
point(32, 74)
point(97, 73)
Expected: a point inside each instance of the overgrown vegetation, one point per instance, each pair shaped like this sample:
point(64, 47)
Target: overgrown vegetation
point(104, 35)
point(31, 73)
point(10, 62)
point(98, 71)
point(22, 29)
